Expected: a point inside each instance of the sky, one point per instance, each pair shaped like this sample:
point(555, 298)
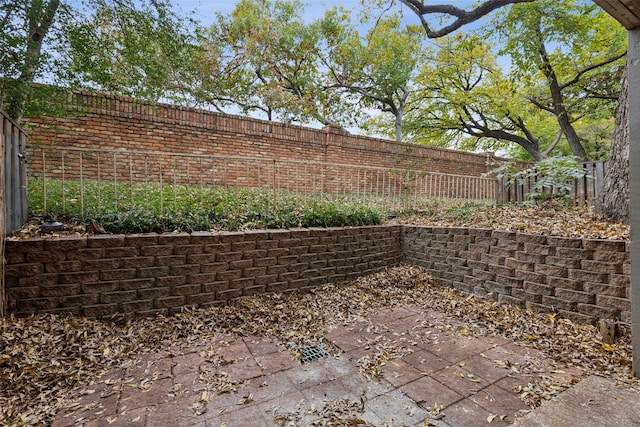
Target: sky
point(205, 10)
point(313, 9)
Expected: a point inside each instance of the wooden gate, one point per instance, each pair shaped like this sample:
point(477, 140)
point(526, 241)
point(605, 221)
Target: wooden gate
point(13, 174)
point(13, 187)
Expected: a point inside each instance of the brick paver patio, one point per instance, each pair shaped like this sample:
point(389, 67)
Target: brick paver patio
point(444, 379)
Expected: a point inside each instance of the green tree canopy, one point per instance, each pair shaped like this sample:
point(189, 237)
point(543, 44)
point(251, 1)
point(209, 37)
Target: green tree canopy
point(569, 57)
point(142, 52)
point(466, 101)
point(549, 86)
point(378, 68)
point(123, 46)
point(263, 58)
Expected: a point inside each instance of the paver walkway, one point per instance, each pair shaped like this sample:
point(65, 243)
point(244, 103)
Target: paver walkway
point(594, 401)
point(442, 378)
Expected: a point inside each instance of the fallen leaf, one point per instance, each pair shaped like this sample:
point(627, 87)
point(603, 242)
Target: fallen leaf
point(38, 383)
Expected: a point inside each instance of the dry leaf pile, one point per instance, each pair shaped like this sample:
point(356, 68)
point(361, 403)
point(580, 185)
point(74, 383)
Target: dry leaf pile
point(546, 219)
point(371, 365)
point(335, 413)
point(43, 358)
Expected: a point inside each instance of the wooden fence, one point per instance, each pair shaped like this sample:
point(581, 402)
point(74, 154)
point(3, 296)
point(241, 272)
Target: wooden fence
point(13, 187)
point(584, 190)
point(14, 175)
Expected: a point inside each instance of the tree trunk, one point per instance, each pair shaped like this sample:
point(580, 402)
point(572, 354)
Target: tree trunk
point(40, 18)
point(562, 115)
point(613, 202)
point(398, 126)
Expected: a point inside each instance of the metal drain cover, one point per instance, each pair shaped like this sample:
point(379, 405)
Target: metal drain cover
point(313, 352)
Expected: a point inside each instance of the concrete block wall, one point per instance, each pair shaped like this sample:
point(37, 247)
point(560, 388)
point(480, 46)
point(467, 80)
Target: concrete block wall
point(97, 276)
point(583, 280)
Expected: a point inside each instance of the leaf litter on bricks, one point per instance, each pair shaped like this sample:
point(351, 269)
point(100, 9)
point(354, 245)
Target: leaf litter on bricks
point(47, 361)
point(549, 218)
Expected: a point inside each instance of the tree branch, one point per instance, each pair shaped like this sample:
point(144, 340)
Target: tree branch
point(519, 123)
point(580, 73)
point(541, 105)
point(555, 142)
point(595, 95)
point(462, 16)
point(474, 128)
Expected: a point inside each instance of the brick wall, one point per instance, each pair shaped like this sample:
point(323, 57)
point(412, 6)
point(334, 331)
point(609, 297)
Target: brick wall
point(97, 276)
point(581, 279)
point(107, 122)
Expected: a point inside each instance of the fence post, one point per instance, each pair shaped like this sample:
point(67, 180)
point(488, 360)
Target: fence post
point(499, 190)
point(3, 218)
point(275, 183)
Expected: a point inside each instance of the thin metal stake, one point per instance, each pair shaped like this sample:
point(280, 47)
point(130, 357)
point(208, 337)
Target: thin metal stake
point(99, 189)
point(44, 182)
point(81, 188)
point(115, 181)
point(175, 196)
point(275, 177)
point(63, 198)
point(146, 182)
point(131, 179)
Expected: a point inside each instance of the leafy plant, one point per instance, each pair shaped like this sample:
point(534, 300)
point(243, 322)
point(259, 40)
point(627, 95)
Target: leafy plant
point(134, 208)
point(551, 178)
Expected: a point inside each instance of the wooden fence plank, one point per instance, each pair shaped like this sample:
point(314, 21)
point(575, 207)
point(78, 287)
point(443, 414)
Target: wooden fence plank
point(21, 203)
point(14, 175)
point(584, 190)
point(3, 217)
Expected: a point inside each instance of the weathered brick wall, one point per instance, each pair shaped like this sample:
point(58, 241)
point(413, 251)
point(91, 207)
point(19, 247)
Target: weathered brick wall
point(109, 122)
point(581, 279)
point(97, 276)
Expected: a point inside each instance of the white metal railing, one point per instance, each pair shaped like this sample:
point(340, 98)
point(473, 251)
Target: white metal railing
point(107, 170)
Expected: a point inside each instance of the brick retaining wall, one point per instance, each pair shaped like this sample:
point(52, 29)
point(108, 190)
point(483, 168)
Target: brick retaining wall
point(97, 276)
point(581, 279)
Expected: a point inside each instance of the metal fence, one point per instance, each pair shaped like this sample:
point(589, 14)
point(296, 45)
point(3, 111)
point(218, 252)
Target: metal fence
point(80, 174)
point(584, 190)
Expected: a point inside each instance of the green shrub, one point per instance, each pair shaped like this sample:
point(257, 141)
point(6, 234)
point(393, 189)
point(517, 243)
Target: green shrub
point(134, 208)
point(552, 178)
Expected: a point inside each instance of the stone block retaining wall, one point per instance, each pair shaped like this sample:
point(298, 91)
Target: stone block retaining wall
point(97, 276)
point(581, 279)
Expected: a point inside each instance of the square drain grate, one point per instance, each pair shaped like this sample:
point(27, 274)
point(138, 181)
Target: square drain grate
point(313, 352)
